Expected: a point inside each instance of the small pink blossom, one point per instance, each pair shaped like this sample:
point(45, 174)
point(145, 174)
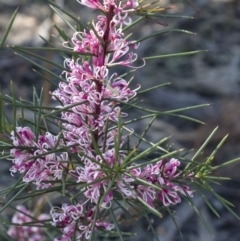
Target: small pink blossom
point(95, 4)
point(163, 174)
point(147, 193)
point(132, 3)
point(24, 137)
point(40, 170)
point(76, 220)
point(23, 232)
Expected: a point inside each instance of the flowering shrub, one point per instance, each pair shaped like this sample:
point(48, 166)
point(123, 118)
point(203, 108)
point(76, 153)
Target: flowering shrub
point(91, 160)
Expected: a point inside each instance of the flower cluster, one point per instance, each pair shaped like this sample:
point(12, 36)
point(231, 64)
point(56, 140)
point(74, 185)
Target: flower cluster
point(33, 158)
point(90, 110)
point(75, 217)
point(21, 231)
point(163, 174)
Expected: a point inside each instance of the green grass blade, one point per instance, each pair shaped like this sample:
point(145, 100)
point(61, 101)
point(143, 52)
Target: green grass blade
point(149, 208)
point(94, 222)
point(67, 13)
point(116, 224)
point(1, 114)
point(14, 108)
point(153, 88)
point(147, 151)
point(62, 33)
point(41, 67)
point(150, 225)
point(174, 220)
point(184, 109)
point(145, 131)
point(44, 77)
point(8, 28)
point(226, 163)
point(174, 55)
point(207, 202)
point(226, 205)
point(14, 197)
point(199, 215)
point(161, 112)
point(165, 31)
point(41, 58)
point(55, 49)
point(63, 18)
point(202, 147)
point(165, 15)
point(133, 219)
point(133, 23)
point(149, 142)
point(210, 158)
point(188, 118)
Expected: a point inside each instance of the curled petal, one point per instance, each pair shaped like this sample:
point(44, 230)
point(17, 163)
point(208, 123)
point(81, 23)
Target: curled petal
point(91, 4)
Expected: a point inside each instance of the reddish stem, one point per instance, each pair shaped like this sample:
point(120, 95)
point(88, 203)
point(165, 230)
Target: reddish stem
point(109, 16)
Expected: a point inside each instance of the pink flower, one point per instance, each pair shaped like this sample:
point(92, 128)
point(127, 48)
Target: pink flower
point(24, 137)
point(23, 232)
point(91, 4)
point(40, 170)
point(163, 174)
point(76, 220)
point(147, 193)
point(132, 3)
point(20, 157)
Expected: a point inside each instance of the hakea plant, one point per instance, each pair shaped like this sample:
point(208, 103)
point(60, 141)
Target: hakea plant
point(89, 160)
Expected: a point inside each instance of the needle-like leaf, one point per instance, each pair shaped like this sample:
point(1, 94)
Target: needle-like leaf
point(8, 28)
